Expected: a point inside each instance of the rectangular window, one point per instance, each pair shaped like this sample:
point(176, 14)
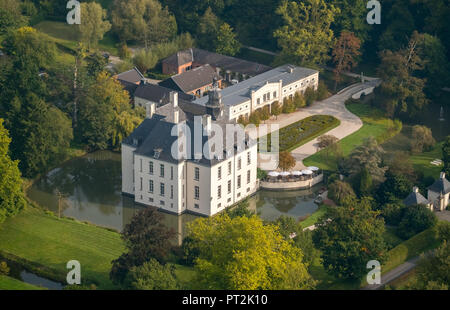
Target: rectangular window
point(264, 98)
point(161, 171)
point(249, 161)
point(239, 181)
point(274, 94)
point(229, 187)
point(197, 174)
point(150, 167)
point(239, 163)
point(219, 206)
point(219, 173)
point(229, 168)
point(171, 191)
point(268, 96)
point(258, 101)
point(141, 184)
point(248, 176)
point(161, 189)
point(196, 206)
point(197, 193)
point(150, 186)
point(171, 173)
point(219, 191)
point(140, 165)
point(161, 202)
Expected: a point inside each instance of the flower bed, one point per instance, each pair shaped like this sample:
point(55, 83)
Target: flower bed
point(303, 131)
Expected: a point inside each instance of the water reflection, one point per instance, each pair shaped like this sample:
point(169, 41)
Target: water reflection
point(90, 188)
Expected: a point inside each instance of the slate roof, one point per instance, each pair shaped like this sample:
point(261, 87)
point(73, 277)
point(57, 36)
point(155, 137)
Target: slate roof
point(415, 198)
point(203, 57)
point(158, 94)
point(155, 133)
point(241, 92)
point(131, 76)
point(191, 80)
point(442, 185)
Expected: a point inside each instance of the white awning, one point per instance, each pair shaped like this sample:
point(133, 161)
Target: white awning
point(297, 173)
point(273, 174)
point(307, 172)
point(312, 168)
point(285, 173)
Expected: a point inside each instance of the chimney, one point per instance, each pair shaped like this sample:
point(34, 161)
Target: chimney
point(291, 69)
point(207, 122)
point(415, 189)
point(150, 109)
point(442, 175)
point(176, 116)
point(174, 99)
point(143, 82)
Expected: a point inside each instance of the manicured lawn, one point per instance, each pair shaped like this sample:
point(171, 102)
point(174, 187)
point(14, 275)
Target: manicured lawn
point(303, 131)
point(313, 218)
point(374, 124)
point(43, 239)
point(421, 162)
point(8, 283)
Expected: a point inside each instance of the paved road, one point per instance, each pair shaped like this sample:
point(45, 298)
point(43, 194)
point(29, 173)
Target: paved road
point(335, 106)
point(394, 274)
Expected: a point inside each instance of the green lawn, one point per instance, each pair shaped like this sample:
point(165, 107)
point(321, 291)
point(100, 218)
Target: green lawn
point(8, 283)
point(68, 36)
point(45, 240)
point(313, 218)
point(421, 162)
point(374, 124)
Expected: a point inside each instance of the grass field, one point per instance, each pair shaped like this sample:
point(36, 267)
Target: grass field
point(43, 239)
point(68, 36)
point(374, 124)
point(313, 218)
point(421, 162)
point(8, 283)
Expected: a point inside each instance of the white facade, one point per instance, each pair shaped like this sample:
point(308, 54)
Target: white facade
point(271, 92)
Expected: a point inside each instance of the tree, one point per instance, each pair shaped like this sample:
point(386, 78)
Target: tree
point(276, 109)
point(94, 24)
point(254, 118)
point(352, 18)
point(329, 143)
point(395, 188)
point(402, 90)
point(242, 253)
point(349, 237)
point(143, 20)
point(145, 60)
point(290, 229)
point(369, 156)
point(345, 53)
point(152, 275)
point(401, 164)
point(226, 41)
point(299, 100)
point(145, 237)
point(95, 64)
point(393, 212)
point(421, 139)
point(310, 96)
point(11, 194)
point(365, 182)
point(208, 29)
point(415, 219)
point(264, 113)
point(4, 269)
point(11, 15)
point(339, 191)
point(242, 209)
point(106, 116)
point(41, 135)
point(433, 271)
point(446, 155)
point(286, 161)
point(306, 37)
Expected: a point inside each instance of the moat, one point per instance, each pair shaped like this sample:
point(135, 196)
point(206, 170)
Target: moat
point(90, 191)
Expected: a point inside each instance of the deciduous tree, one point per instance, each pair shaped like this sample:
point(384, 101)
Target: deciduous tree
point(286, 161)
point(349, 237)
point(345, 53)
point(243, 253)
point(305, 37)
point(94, 24)
point(226, 41)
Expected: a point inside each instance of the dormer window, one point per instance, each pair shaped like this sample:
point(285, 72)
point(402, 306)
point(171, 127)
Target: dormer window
point(157, 153)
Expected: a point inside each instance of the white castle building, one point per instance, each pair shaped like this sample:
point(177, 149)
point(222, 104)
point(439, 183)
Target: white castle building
point(201, 183)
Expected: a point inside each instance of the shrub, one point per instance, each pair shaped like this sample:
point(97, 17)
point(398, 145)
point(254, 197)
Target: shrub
point(415, 219)
point(4, 269)
point(322, 91)
point(310, 96)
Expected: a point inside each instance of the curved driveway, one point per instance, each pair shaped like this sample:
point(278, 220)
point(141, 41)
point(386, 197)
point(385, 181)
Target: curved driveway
point(335, 106)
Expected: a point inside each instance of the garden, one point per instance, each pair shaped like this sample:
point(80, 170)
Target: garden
point(303, 131)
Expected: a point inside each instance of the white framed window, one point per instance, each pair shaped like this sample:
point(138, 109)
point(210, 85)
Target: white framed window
point(150, 167)
point(249, 161)
point(239, 181)
point(161, 189)
point(161, 170)
point(197, 193)
point(229, 168)
point(196, 174)
point(171, 191)
point(219, 173)
point(150, 186)
point(219, 191)
point(248, 177)
point(229, 186)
